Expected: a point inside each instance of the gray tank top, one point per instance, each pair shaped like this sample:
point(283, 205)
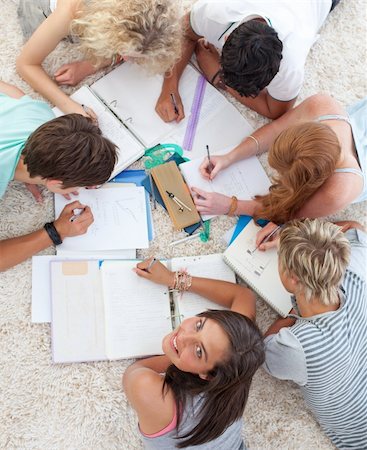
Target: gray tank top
point(230, 440)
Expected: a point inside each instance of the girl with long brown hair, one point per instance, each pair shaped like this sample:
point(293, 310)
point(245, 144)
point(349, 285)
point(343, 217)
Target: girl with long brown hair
point(195, 394)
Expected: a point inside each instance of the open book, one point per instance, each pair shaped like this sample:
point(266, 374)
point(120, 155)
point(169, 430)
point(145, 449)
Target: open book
point(102, 310)
point(244, 179)
point(124, 101)
point(258, 269)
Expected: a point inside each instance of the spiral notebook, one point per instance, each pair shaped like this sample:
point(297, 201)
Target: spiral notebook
point(258, 269)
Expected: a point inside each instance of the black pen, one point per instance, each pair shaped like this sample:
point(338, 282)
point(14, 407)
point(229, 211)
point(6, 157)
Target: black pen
point(174, 103)
point(210, 166)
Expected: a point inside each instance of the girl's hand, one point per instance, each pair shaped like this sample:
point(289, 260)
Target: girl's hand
point(72, 73)
point(209, 170)
point(349, 224)
point(263, 233)
point(155, 271)
point(211, 202)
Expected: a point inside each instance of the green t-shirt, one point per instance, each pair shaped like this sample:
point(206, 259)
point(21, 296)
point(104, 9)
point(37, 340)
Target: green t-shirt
point(18, 119)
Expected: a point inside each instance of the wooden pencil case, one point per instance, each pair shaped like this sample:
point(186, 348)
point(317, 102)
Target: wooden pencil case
point(175, 195)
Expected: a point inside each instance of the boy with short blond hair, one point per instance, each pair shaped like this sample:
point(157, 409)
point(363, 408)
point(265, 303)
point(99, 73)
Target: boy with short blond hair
point(322, 346)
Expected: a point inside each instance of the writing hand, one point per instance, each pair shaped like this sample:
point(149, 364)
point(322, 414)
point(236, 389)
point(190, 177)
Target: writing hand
point(211, 202)
point(218, 163)
point(72, 73)
point(166, 109)
point(263, 233)
point(80, 224)
point(158, 273)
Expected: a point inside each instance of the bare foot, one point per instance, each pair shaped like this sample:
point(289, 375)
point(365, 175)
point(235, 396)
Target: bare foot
point(208, 59)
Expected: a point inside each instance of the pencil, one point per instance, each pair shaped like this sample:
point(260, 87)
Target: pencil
point(210, 166)
point(173, 100)
point(267, 237)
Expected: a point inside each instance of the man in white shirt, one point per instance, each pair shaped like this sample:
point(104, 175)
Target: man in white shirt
point(263, 45)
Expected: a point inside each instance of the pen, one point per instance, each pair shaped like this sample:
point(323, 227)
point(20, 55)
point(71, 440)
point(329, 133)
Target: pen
point(210, 166)
point(178, 202)
point(266, 239)
point(188, 238)
point(173, 100)
point(77, 212)
point(151, 264)
point(152, 189)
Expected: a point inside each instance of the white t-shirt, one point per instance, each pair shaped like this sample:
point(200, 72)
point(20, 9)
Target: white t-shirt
point(296, 21)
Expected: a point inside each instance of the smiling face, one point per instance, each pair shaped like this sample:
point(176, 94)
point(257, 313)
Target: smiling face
point(196, 346)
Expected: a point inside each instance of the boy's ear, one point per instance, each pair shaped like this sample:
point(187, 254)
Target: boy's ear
point(293, 279)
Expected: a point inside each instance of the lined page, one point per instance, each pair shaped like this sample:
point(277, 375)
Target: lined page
point(129, 149)
point(206, 266)
point(258, 269)
point(78, 332)
point(244, 179)
point(137, 311)
point(132, 94)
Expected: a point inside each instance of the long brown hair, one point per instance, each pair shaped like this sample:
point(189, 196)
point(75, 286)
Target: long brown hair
point(227, 388)
point(304, 156)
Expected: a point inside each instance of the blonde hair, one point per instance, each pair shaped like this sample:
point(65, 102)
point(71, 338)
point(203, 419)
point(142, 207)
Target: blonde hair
point(317, 253)
point(148, 30)
point(305, 156)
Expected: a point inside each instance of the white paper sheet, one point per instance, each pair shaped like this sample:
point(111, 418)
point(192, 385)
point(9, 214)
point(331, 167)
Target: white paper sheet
point(244, 179)
point(132, 95)
point(137, 311)
point(120, 219)
point(41, 281)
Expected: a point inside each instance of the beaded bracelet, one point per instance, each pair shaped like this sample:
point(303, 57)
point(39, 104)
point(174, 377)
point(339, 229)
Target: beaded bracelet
point(182, 281)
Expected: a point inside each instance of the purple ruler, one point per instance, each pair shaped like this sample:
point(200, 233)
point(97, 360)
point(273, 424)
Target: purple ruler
point(195, 114)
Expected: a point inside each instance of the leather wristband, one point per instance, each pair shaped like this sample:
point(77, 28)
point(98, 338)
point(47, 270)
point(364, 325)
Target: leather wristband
point(53, 233)
point(233, 207)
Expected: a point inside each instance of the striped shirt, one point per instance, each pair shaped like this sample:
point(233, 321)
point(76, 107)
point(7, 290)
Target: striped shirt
point(327, 355)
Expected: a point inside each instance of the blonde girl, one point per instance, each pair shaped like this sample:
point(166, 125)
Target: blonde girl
point(107, 31)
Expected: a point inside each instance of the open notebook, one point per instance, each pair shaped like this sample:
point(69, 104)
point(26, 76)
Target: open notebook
point(244, 179)
point(258, 269)
point(102, 310)
point(124, 101)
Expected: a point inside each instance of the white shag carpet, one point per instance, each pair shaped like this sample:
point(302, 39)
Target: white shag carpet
point(82, 406)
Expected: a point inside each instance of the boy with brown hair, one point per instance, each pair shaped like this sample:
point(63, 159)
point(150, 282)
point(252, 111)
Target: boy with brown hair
point(61, 154)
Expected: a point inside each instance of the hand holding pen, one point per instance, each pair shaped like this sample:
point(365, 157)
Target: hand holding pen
point(267, 237)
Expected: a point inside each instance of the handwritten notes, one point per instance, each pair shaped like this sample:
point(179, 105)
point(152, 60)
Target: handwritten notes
point(120, 220)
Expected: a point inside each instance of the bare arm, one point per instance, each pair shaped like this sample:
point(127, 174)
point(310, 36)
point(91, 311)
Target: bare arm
point(264, 103)
point(15, 250)
point(164, 106)
point(230, 295)
point(41, 44)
